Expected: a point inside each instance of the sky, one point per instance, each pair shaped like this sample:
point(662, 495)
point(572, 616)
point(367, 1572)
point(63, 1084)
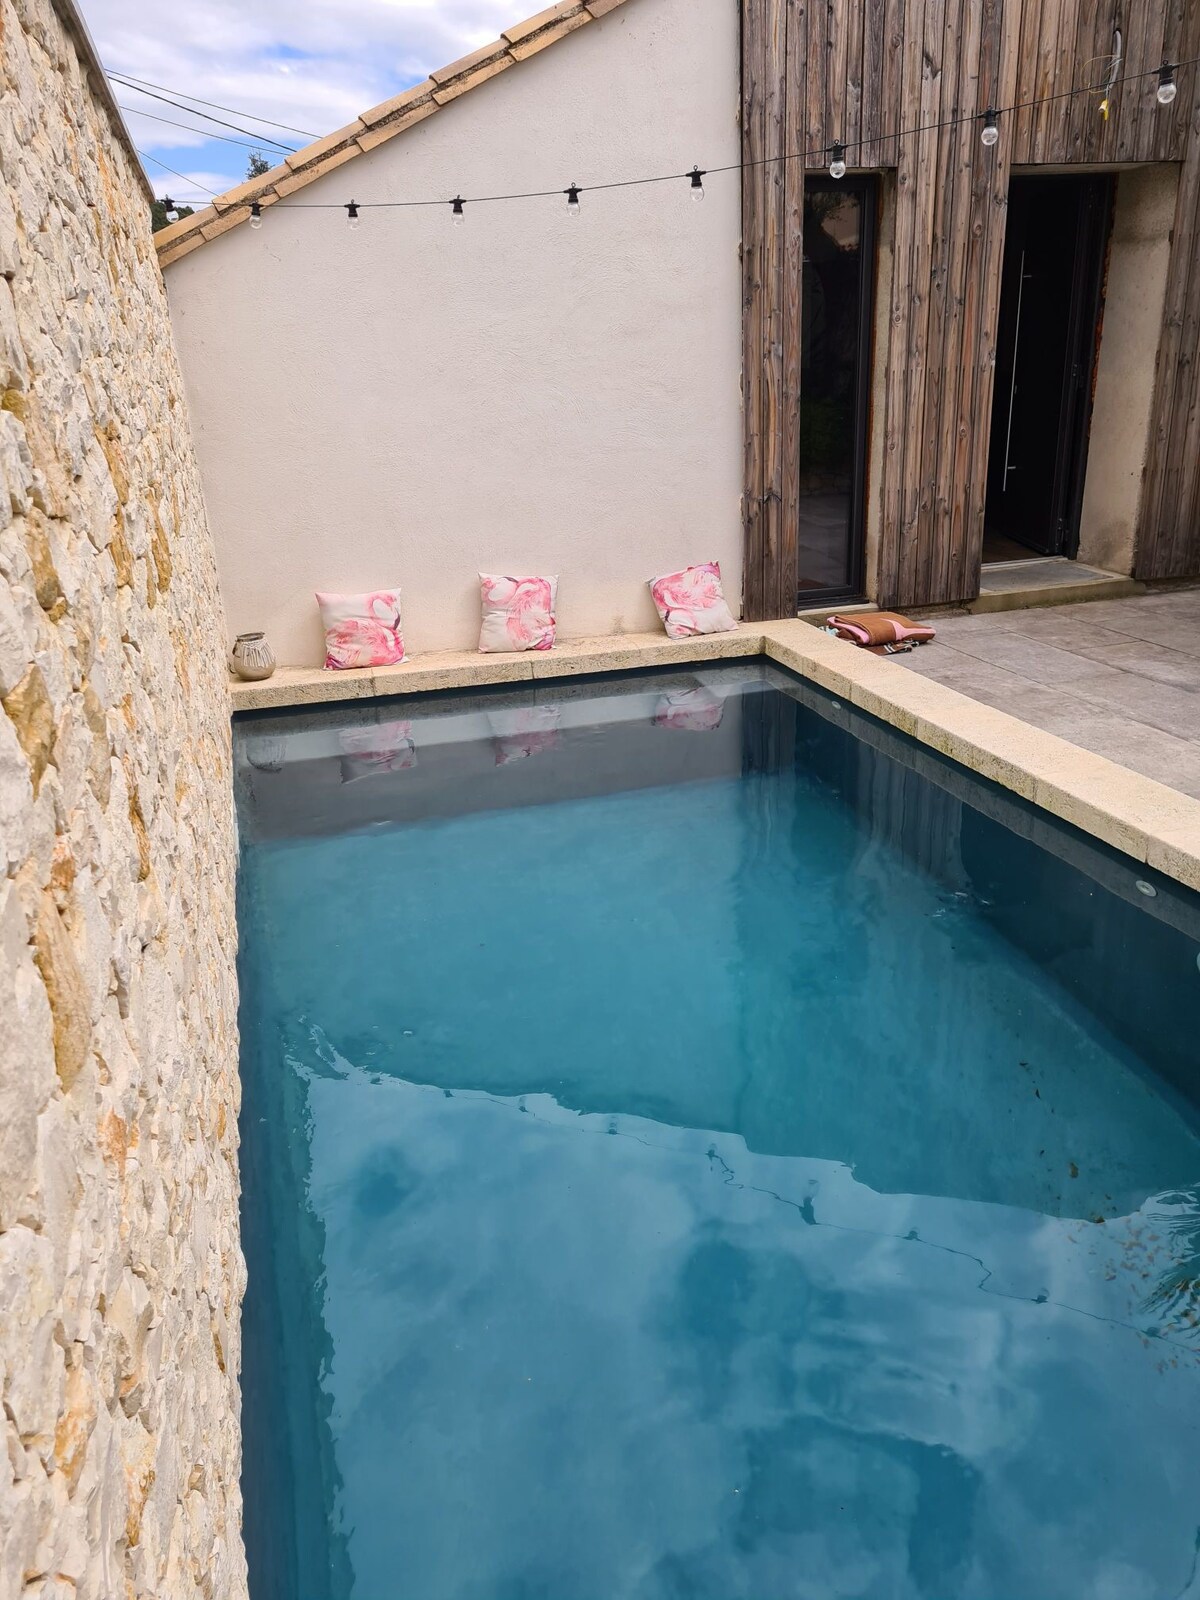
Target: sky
point(313, 64)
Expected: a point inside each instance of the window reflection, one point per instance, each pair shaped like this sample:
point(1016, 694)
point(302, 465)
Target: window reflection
point(832, 319)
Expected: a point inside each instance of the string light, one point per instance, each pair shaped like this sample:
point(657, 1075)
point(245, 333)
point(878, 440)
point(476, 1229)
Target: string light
point(836, 152)
point(352, 216)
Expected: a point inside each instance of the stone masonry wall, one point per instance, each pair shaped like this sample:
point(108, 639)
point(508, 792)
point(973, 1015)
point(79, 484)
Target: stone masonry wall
point(120, 1266)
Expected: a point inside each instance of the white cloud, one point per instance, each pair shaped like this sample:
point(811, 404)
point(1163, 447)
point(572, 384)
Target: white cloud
point(312, 65)
point(192, 189)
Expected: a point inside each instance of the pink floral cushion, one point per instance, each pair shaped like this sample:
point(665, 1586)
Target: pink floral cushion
point(518, 613)
point(524, 731)
point(692, 601)
point(376, 748)
point(694, 710)
point(362, 630)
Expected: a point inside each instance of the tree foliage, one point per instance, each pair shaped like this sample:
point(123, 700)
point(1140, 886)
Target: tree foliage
point(159, 217)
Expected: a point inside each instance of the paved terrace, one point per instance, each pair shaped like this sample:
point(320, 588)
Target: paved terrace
point(1118, 677)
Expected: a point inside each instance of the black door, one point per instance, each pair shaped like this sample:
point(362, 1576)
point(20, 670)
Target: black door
point(1049, 314)
point(835, 310)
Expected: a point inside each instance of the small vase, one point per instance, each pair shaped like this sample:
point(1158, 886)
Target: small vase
point(251, 657)
point(267, 753)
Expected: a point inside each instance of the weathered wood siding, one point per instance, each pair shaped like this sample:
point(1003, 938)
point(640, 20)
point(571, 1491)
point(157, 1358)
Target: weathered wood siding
point(862, 71)
point(1169, 518)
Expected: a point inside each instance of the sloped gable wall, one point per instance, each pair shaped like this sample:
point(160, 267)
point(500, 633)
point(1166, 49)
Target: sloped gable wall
point(412, 402)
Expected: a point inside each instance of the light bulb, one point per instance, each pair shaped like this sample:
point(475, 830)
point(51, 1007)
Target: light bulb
point(1167, 87)
point(697, 189)
point(991, 130)
point(255, 214)
point(352, 216)
point(572, 195)
point(837, 164)
point(457, 214)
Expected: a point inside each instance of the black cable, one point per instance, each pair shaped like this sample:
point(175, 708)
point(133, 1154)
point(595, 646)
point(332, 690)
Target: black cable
point(146, 83)
point(196, 184)
point(237, 128)
point(136, 111)
point(743, 166)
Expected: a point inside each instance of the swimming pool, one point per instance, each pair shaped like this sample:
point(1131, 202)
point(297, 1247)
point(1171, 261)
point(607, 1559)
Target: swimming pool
point(697, 1143)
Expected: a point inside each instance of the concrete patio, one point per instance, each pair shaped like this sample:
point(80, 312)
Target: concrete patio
point(1118, 677)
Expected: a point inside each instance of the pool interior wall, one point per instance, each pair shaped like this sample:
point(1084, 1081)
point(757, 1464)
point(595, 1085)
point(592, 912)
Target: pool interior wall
point(695, 1142)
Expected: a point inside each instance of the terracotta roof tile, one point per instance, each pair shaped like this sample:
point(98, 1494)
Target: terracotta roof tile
point(472, 80)
point(166, 237)
point(330, 163)
point(522, 30)
point(223, 223)
point(251, 189)
point(477, 58)
point(398, 104)
point(524, 48)
point(377, 125)
point(184, 247)
point(389, 130)
point(309, 153)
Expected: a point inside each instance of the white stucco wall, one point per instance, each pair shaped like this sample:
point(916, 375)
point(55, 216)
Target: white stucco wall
point(412, 402)
point(1133, 311)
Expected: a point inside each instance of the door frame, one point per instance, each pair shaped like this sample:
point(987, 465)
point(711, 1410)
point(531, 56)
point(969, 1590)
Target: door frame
point(1092, 197)
point(868, 186)
point(1087, 298)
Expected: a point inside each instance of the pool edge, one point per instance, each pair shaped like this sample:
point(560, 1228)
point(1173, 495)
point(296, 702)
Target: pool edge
point(1136, 815)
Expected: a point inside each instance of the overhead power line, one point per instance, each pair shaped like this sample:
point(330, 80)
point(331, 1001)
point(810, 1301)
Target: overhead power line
point(195, 182)
point(180, 94)
point(261, 139)
point(203, 132)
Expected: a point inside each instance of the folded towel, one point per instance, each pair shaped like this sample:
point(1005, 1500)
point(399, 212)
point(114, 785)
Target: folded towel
point(882, 632)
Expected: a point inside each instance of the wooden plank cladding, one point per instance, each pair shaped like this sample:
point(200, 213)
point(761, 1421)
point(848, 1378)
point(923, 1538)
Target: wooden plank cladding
point(861, 72)
point(1169, 520)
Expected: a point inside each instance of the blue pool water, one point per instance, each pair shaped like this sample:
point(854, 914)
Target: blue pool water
point(699, 1146)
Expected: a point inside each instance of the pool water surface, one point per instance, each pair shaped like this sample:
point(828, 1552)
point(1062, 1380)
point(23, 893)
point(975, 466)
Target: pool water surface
point(699, 1146)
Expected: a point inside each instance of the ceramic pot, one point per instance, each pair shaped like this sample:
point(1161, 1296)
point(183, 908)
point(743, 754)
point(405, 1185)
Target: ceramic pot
point(251, 657)
point(267, 753)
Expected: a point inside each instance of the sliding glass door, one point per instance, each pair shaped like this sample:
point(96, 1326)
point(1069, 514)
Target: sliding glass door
point(839, 229)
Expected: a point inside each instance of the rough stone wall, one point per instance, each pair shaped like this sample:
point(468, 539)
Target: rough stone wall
point(120, 1266)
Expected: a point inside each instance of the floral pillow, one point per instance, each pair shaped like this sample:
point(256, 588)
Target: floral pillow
point(362, 630)
point(696, 710)
point(518, 613)
point(375, 748)
point(692, 602)
point(523, 732)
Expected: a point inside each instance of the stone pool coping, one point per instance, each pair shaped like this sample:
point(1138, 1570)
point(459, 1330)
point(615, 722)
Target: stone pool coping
point(1136, 815)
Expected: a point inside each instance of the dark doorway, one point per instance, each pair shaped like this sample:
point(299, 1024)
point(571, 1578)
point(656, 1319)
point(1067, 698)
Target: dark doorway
point(1050, 300)
point(835, 310)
